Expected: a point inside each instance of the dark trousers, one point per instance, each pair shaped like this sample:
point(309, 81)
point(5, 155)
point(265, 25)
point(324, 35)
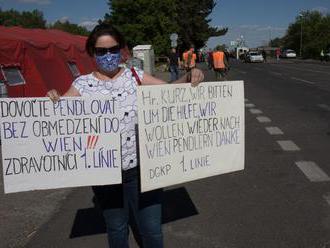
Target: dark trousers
point(123, 205)
point(174, 72)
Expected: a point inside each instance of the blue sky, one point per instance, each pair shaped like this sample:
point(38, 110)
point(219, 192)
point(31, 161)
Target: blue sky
point(256, 20)
point(259, 20)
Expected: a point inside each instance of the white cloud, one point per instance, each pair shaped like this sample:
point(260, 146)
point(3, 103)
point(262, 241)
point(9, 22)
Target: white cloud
point(89, 25)
point(63, 19)
point(249, 26)
point(41, 2)
point(254, 35)
point(270, 28)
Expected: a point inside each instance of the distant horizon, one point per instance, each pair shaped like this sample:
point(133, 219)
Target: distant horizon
point(258, 21)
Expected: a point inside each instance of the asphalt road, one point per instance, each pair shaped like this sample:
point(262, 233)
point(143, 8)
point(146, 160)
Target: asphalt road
point(280, 200)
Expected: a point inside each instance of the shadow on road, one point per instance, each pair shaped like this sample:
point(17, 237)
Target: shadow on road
point(176, 205)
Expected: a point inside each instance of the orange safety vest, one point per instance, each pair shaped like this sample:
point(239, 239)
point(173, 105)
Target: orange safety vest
point(218, 60)
point(192, 59)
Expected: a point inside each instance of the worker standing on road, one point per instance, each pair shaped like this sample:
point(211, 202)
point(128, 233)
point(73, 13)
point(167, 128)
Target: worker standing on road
point(220, 64)
point(174, 62)
point(210, 59)
point(264, 55)
point(189, 59)
point(278, 53)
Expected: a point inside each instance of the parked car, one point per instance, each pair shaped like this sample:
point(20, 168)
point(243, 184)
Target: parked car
point(289, 54)
point(327, 56)
point(253, 57)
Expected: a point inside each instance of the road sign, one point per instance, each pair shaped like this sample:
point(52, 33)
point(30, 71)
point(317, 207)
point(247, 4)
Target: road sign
point(173, 36)
point(233, 43)
point(174, 44)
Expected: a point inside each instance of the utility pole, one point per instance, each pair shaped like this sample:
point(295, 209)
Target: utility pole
point(301, 33)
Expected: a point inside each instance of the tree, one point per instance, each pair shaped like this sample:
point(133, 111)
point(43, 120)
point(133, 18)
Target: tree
point(26, 19)
point(152, 22)
point(35, 19)
point(70, 28)
point(277, 42)
point(315, 33)
point(193, 22)
point(144, 21)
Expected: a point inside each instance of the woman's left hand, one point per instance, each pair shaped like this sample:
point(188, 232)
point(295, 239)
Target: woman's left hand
point(196, 76)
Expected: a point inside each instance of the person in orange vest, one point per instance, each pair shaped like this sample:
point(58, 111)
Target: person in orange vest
point(220, 64)
point(189, 59)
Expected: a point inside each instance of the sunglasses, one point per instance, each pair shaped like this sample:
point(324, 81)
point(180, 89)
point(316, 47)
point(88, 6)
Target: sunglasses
point(99, 51)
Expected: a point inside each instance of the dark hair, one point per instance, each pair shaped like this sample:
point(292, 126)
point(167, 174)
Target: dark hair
point(103, 29)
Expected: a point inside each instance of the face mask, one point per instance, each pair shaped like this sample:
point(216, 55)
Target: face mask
point(108, 62)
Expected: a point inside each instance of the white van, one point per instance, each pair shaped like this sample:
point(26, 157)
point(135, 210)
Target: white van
point(240, 51)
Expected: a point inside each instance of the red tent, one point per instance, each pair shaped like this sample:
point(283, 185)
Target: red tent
point(46, 59)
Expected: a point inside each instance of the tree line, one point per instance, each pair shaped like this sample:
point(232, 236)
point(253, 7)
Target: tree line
point(313, 28)
point(152, 22)
point(141, 22)
point(35, 19)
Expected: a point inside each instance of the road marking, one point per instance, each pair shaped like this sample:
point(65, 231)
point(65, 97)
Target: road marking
point(312, 171)
point(255, 111)
point(304, 70)
point(263, 119)
point(244, 72)
point(274, 131)
point(31, 234)
point(324, 107)
point(302, 80)
point(276, 73)
point(327, 198)
point(250, 105)
point(288, 145)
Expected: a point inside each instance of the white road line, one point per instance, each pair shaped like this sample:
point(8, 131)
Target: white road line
point(312, 171)
point(326, 197)
point(304, 70)
point(274, 131)
point(255, 111)
point(263, 119)
point(276, 73)
point(302, 80)
point(244, 72)
point(324, 107)
point(288, 145)
point(250, 105)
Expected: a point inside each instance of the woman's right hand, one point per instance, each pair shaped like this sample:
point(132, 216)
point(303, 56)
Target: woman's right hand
point(53, 95)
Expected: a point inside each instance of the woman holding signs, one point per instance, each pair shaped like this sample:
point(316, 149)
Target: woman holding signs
point(121, 202)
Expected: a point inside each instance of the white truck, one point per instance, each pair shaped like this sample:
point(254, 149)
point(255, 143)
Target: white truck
point(240, 51)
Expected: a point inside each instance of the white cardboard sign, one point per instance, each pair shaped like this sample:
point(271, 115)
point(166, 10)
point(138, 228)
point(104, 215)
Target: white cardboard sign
point(188, 133)
point(46, 145)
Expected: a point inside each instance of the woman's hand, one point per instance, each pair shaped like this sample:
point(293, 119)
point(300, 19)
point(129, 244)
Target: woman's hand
point(53, 95)
point(195, 76)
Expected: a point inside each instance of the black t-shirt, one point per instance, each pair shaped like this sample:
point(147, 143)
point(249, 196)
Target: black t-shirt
point(173, 58)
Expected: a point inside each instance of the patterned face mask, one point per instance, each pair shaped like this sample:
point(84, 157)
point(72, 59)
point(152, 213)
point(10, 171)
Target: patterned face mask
point(108, 62)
